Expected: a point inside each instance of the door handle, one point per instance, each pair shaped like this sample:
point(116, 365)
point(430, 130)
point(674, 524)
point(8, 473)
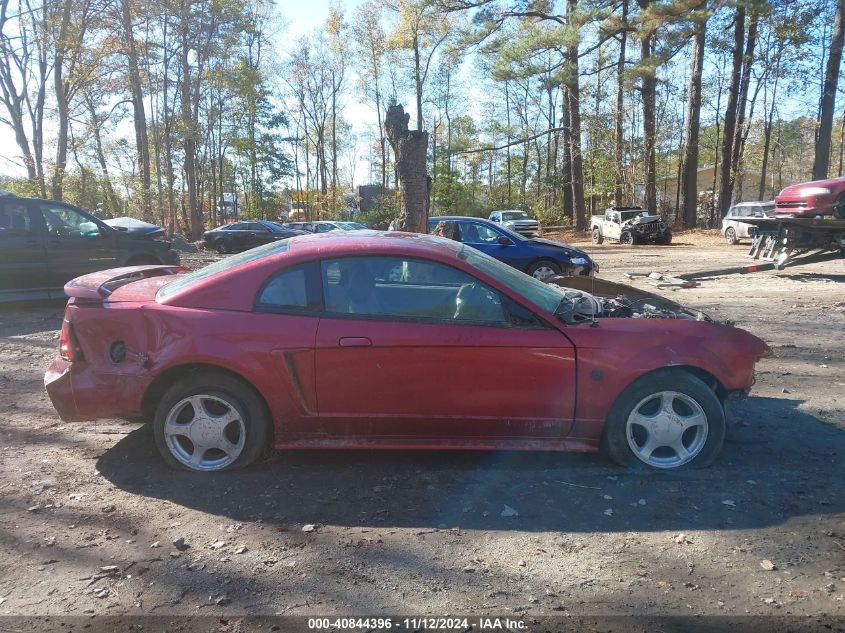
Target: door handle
point(355, 341)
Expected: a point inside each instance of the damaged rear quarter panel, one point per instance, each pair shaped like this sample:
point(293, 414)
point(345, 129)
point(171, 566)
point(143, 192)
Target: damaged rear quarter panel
point(273, 353)
point(619, 351)
point(101, 386)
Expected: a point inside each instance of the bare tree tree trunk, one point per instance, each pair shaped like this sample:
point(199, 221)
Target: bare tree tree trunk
point(649, 95)
point(725, 190)
point(619, 115)
point(142, 144)
point(689, 180)
point(566, 160)
point(62, 105)
point(410, 149)
point(828, 99)
point(742, 103)
point(574, 93)
point(768, 124)
point(189, 130)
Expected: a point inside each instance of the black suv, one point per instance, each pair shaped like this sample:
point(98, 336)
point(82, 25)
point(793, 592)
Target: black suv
point(44, 244)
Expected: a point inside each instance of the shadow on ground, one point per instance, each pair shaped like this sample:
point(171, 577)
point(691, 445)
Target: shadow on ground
point(778, 463)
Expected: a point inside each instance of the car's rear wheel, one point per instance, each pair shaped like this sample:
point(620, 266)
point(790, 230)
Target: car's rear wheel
point(628, 238)
point(598, 238)
point(543, 269)
point(210, 422)
point(666, 420)
point(730, 236)
point(220, 247)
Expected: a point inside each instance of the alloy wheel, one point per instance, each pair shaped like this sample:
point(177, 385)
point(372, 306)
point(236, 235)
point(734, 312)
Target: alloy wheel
point(667, 429)
point(204, 432)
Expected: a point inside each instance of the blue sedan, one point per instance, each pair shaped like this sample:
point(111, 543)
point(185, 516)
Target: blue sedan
point(535, 256)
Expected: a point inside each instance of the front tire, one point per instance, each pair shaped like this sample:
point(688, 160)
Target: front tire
point(666, 420)
point(598, 238)
point(209, 422)
point(543, 269)
point(730, 236)
point(628, 238)
point(220, 247)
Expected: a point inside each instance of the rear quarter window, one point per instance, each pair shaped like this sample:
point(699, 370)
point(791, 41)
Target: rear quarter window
point(233, 261)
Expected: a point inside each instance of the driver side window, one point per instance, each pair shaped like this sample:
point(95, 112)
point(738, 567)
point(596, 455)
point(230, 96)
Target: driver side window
point(66, 222)
point(405, 288)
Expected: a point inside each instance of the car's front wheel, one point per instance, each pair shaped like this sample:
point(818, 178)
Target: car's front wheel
point(628, 238)
point(598, 238)
point(666, 420)
point(543, 269)
point(220, 246)
point(211, 421)
point(730, 236)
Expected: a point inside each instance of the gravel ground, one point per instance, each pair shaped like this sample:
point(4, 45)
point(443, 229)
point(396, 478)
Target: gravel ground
point(89, 515)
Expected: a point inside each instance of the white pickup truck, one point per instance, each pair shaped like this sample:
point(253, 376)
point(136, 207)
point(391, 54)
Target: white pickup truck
point(629, 225)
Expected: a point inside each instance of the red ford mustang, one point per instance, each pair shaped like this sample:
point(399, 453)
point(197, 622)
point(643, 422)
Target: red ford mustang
point(393, 340)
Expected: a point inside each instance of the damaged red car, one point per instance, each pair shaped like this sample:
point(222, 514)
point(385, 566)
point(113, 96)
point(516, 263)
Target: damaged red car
point(394, 340)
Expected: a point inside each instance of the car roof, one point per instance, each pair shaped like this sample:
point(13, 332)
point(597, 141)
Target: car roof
point(458, 217)
point(221, 291)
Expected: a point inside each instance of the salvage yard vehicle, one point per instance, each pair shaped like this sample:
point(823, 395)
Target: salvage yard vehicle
point(733, 226)
point(396, 341)
point(629, 225)
point(517, 221)
point(44, 243)
point(241, 236)
point(810, 199)
point(534, 256)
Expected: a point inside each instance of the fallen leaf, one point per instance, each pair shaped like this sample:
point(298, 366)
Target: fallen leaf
point(768, 565)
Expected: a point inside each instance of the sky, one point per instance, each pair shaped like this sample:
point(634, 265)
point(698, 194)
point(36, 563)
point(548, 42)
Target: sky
point(296, 18)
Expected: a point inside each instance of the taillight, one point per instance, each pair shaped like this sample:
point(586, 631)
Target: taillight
point(69, 348)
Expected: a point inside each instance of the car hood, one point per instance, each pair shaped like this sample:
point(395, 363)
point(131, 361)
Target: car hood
point(641, 219)
point(792, 190)
point(135, 228)
point(569, 250)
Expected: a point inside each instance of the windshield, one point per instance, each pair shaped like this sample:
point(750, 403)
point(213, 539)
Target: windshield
point(546, 296)
point(515, 215)
point(185, 281)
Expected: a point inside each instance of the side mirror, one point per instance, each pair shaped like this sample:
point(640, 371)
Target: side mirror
point(504, 241)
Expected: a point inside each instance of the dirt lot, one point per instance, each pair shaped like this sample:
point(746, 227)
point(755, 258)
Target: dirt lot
point(88, 513)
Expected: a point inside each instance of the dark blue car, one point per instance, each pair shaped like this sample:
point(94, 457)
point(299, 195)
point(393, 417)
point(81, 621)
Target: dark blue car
point(538, 257)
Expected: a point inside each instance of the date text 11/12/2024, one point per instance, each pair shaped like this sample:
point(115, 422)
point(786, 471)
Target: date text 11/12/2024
point(427, 623)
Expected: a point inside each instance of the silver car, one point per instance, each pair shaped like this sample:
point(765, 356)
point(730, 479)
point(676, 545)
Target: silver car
point(734, 229)
point(518, 221)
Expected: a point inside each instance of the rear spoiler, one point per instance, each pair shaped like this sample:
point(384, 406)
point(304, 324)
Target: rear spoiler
point(101, 284)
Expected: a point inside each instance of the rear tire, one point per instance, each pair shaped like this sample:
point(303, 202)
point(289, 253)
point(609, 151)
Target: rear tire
point(643, 431)
point(217, 409)
point(730, 236)
point(598, 238)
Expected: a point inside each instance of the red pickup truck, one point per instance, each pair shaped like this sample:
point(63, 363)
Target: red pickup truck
point(809, 199)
